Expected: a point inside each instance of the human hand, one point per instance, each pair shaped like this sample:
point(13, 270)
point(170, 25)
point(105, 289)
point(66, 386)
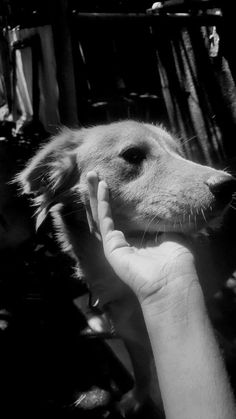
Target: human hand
point(150, 271)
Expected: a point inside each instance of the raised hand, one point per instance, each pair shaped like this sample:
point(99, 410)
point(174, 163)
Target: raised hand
point(151, 270)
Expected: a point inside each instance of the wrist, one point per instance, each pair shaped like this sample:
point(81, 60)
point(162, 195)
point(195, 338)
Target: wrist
point(171, 278)
point(179, 301)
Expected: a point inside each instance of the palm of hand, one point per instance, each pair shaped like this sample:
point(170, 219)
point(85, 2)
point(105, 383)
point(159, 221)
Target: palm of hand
point(150, 269)
point(146, 270)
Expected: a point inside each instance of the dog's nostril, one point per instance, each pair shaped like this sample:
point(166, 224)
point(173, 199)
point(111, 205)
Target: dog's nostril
point(222, 186)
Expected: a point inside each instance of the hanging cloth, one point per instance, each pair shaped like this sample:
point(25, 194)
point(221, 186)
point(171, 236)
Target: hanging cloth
point(34, 71)
point(192, 86)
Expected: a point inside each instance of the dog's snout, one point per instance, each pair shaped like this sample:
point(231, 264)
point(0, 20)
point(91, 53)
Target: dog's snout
point(222, 186)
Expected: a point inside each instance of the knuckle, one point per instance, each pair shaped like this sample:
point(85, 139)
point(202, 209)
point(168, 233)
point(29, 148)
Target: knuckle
point(113, 240)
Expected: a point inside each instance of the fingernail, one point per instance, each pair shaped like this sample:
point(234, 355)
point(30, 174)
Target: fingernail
point(91, 175)
point(103, 191)
point(103, 183)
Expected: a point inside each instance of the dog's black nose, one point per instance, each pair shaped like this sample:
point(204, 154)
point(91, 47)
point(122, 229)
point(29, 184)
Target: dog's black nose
point(223, 186)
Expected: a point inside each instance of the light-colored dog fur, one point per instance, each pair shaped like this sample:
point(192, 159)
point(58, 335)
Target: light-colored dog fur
point(152, 188)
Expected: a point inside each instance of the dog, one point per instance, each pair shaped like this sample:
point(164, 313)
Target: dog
point(153, 189)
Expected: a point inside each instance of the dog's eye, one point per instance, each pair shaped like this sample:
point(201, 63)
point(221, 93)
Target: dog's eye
point(133, 155)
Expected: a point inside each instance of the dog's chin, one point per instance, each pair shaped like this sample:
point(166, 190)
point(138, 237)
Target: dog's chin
point(198, 227)
point(193, 229)
point(142, 231)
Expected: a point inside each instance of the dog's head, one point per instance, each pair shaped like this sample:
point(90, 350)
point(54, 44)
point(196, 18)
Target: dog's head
point(152, 187)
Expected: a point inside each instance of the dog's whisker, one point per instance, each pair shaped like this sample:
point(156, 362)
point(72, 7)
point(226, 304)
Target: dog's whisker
point(185, 141)
point(77, 211)
point(174, 223)
point(156, 235)
point(79, 400)
point(225, 169)
point(157, 232)
point(229, 170)
point(184, 218)
point(203, 215)
point(143, 235)
point(232, 206)
point(146, 229)
point(156, 226)
point(180, 225)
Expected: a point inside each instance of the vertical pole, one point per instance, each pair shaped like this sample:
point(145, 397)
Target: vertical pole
point(64, 60)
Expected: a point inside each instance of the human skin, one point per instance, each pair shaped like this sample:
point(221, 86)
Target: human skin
point(191, 372)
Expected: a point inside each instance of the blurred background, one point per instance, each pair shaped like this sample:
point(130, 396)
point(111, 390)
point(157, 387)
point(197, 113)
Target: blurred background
point(80, 63)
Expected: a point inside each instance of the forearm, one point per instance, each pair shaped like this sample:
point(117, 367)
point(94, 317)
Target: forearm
point(191, 372)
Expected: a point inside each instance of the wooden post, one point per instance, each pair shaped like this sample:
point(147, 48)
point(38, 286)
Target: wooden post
point(64, 59)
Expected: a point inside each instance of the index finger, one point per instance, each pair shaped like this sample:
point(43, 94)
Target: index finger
point(112, 239)
point(92, 180)
point(104, 210)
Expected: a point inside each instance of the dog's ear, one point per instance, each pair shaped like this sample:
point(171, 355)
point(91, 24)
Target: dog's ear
point(52, 165)
point(52, 171)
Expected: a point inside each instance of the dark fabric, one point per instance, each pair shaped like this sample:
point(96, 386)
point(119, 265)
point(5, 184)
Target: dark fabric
point(199, 92)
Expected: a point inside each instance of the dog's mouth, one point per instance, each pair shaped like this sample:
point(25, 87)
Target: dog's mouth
point(190, 229)
point(192, 223)
point(189, 223)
